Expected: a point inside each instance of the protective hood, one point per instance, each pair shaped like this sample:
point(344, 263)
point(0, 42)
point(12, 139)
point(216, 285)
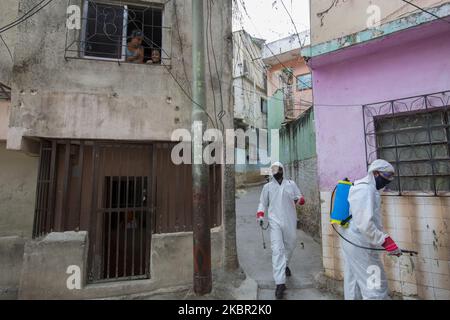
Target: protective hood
point(276, 165)
point(377, 165)
point(381, 166)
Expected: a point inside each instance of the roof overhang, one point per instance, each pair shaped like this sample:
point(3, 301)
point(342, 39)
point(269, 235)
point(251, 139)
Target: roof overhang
point(405, 37)
point(359, 38)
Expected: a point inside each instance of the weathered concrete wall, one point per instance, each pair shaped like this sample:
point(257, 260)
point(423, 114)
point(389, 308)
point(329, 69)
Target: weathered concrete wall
point(4, 119)
point(327, 21)
point(89, 99)
point(415, 223)
point(18, 176)
point(304, 173)
point(46, 261)
point(8, 13)
point(11, 257)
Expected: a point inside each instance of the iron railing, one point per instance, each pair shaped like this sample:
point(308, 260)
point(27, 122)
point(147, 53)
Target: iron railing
point(413, 134)
point(107, 29)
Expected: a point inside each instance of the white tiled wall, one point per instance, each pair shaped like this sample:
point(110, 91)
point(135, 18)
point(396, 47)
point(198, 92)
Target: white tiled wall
point(415, 223)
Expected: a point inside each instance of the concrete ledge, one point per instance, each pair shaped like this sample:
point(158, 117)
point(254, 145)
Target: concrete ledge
point(46, 262)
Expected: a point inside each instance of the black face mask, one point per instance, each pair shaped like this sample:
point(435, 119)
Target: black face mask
point(381, 182)
point(278, 176)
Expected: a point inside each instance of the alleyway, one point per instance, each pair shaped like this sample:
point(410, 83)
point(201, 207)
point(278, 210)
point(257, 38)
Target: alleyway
point(257, 262)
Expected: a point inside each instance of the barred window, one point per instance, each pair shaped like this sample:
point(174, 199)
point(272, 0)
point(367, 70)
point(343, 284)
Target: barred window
point(108, 28)
point(414, 136)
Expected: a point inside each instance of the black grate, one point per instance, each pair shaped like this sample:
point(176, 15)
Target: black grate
point(413, 134)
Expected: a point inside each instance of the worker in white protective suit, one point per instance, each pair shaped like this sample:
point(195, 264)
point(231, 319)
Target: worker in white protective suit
point(364, 275)
point(279, 198)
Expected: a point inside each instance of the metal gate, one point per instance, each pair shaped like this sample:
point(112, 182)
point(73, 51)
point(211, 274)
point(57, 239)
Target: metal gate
point(120, 193)
point(122, 212)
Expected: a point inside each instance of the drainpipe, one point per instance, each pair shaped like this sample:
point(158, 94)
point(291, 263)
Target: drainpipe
point(200, 171)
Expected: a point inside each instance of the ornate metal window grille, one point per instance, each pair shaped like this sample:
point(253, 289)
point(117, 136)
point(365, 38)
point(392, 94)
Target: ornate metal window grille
point(107, 27)
point(413, 134)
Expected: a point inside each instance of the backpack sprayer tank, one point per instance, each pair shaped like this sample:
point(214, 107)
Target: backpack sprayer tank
point(340, 213)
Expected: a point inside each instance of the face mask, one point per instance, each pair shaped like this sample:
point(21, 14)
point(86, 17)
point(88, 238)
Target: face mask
point(381, 182)
point(278, 176)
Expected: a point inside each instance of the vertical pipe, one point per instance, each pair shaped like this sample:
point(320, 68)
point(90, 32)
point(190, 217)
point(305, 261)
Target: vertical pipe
point(51, 196)
point(66, 186)
point(80, 184)
point(200, 173)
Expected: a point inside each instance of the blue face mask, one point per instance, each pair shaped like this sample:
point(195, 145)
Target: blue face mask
point(381, 182)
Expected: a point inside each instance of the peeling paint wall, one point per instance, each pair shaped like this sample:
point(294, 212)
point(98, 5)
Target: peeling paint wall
point(327, 21)
point(416, 223)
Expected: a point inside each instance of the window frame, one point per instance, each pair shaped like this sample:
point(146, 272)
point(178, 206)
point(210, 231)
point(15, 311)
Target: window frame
point(75, 44)
point(84, 29)
point(426, 139)
point(299, 82)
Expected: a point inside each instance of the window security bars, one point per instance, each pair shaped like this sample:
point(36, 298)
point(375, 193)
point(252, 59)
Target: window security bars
point(413, 134)
point(108, 28)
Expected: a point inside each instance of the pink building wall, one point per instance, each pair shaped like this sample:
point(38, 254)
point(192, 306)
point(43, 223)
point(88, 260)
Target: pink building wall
point(299, 67)
point(408, 63)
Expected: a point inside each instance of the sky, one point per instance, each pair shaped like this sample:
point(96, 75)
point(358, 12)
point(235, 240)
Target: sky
point(268, 19)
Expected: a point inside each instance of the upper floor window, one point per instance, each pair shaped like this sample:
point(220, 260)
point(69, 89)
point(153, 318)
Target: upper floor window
point(263, 105)
point(304, 82)
point(120, 32)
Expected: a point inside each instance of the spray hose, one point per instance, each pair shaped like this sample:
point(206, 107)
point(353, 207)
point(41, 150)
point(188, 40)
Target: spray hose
point(412, 253)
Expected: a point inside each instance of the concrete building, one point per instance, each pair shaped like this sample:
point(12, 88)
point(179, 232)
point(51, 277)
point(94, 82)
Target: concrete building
point(87, 182)
point(287, 70)
point(250, 100)
point(381, 90)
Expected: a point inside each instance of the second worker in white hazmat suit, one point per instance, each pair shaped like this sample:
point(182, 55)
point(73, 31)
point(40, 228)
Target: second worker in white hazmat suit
point(364, 275)
point(279, 198)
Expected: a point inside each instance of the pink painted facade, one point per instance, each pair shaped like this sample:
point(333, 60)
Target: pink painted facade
point(408, 63)
point(302, 98)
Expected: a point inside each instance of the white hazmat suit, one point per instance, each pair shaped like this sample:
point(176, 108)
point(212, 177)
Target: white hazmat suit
point(279, 201)
point(364, 275)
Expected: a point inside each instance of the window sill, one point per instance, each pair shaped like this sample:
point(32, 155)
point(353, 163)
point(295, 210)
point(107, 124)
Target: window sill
point(414, 194)
point(118, 62)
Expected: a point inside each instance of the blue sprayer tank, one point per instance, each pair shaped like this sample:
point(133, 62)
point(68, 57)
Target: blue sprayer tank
point(341, 207)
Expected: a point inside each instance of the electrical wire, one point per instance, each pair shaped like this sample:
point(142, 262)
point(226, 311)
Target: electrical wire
point(9, 50)
point(26, 16)
point(426, 11)
point(293, 23)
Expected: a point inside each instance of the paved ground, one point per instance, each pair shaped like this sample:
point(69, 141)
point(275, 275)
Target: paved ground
point(257, 262)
